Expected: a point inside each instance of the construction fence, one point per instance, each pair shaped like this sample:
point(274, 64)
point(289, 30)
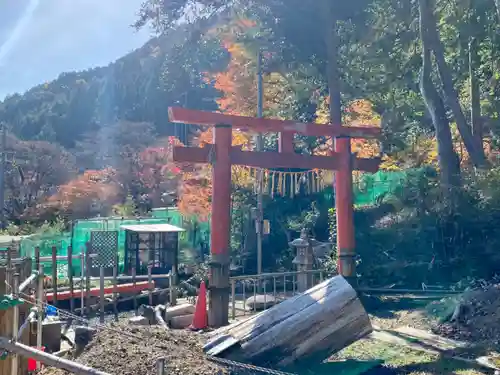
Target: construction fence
point(82, 230)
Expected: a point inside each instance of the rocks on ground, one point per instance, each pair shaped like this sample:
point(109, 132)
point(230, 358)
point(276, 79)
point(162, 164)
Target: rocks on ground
point(127, 350)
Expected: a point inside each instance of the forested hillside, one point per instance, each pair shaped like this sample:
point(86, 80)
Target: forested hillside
point(138, 87)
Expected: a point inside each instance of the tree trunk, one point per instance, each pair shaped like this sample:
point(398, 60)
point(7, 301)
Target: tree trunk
point(475, 110)
point(448, 159)
point(497, 5)
point(306, 328)
point(474, 148)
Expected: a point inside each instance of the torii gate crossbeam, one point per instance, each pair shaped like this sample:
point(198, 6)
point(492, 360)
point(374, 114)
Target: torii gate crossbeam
point(222, 155)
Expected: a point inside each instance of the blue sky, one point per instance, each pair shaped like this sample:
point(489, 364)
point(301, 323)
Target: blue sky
point(39, 39)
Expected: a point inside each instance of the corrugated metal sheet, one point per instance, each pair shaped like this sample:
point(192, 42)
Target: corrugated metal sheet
point(152, 228)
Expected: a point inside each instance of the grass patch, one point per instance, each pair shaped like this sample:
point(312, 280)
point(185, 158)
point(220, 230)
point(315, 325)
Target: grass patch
point(405, 360)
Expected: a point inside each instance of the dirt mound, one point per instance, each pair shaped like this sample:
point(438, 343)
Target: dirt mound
point(476, 318)
point(115, 352)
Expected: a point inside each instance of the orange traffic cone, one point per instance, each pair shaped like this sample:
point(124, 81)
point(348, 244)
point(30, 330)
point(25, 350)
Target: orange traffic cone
point(200, 318)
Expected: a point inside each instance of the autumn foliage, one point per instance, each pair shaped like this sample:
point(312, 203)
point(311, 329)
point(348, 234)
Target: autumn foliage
point(195, 189)
point(91, 193)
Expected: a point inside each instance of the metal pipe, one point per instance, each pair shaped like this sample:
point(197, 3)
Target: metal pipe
point(64, 257)
point(49, 359)
point(32, 315)
point(28, 281)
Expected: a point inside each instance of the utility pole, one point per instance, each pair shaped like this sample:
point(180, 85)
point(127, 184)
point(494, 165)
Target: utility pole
point(2, 175)
point(260, 175)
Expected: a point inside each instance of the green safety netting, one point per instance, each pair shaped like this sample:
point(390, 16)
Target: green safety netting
point(371, 187)
point(81, 233)
point(367, 191)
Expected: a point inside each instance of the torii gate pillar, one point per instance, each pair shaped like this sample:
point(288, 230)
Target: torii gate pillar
point(220, 221)
point(344, 211)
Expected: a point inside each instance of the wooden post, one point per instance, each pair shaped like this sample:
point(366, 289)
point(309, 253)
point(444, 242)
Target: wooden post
point(82, 275)
point(15, 324)
point(150, 283)
point(101, 295)
point(39, 324)
point(5, 321)
point(115, 289)
point(9, 272)
point(134, 283)
point(220, 228)
point(88, 268)
point(54, 274)
point(344, 210)
point(70, 278)
point(37, 258)
point(160, 366)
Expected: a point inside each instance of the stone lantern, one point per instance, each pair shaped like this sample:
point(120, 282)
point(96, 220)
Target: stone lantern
point(304, 260)
point(309, 251)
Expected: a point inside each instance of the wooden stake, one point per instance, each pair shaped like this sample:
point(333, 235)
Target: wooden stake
point(101, 295)
point(70, 277)
point(115, 289)
point(37, 258)
point(8, 274)
point(150, 283)
point(14, 367)
point(88, 267)
point(82, 275)
point(54, 274)
point(160, 366)
point(49, 359)
point(39, 324)
point(134, 283)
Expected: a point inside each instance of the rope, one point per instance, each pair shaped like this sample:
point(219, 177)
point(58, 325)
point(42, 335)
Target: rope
point(245, 366)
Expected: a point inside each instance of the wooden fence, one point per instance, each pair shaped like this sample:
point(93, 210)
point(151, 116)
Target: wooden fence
point(24, 279)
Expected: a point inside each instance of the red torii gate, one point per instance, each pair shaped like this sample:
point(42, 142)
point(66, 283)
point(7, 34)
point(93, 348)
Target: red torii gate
point(222, 155)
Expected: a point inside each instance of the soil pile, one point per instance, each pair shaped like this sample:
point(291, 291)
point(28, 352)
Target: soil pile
point(115, 352)
point(476, 318)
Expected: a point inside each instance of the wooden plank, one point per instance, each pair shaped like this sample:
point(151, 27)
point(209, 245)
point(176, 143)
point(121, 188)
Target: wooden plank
point(430, 339)
point(263, 125)
point(273, 159)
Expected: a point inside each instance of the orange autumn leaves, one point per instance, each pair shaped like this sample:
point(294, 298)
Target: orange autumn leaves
point(97, 191)
point(195, 189)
